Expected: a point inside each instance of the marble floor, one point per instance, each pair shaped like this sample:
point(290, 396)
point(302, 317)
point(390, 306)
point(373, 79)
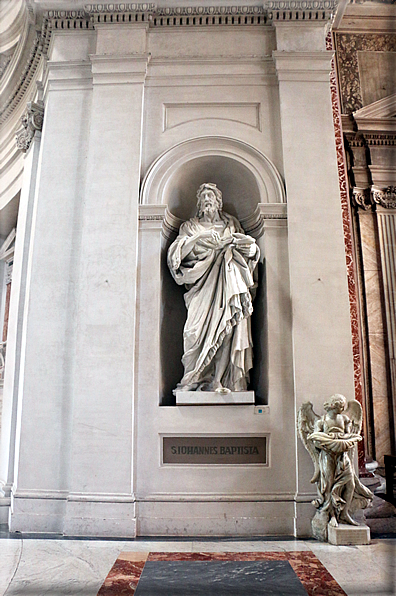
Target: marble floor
point(59, 567)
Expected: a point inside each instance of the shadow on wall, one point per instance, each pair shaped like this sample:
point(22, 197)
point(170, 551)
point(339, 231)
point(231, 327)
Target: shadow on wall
point(238, 185)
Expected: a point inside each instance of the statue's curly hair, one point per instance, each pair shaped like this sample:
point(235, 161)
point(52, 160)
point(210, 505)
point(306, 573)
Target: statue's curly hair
point(336, 400)
point(210, 186)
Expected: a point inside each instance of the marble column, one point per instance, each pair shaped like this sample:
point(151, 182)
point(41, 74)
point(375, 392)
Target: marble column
point(386, 221)
point(101, 500)
point(321, 328)
point(369, 225)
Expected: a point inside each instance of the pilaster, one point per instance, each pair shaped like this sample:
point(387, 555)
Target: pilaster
point(31, 148)
point(43, 378)
point(322, 347)
point(102, 452)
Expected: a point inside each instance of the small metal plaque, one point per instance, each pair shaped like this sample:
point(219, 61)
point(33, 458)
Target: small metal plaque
point(215, 450)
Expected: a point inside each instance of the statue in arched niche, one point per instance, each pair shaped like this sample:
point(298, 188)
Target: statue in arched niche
point(216, 261)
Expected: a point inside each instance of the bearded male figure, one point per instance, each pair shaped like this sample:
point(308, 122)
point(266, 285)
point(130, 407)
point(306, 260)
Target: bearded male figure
point(216, 261)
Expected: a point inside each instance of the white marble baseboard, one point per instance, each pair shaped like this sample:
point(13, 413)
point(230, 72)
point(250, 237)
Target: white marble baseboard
point(206, 398)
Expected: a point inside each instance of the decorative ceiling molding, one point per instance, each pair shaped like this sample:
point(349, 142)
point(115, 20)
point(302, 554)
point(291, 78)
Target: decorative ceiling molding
point(92, 15)
point(13, 16)
point(39, 48)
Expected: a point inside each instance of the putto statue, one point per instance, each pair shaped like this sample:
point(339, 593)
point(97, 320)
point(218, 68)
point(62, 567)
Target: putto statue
point(216, 261)
point(331, 441)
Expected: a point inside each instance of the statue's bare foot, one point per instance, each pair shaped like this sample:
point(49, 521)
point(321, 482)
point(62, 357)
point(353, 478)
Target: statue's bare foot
point(191, 387)
point(333, 522)
point(222, 390)
point(346, 518)
point(218, 387)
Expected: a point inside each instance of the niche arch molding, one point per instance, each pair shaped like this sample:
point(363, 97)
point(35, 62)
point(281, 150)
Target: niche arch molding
point(165, 176)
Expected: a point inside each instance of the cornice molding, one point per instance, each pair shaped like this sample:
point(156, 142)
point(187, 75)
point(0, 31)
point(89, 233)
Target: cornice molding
point(308, 12)
point(123, 7)
point(383, 139)
point(39, 48)
point(301, 4)
point(209, 10)
point(382, 108)
point(92, 15)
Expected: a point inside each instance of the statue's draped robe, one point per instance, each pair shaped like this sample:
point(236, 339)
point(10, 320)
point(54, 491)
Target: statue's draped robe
point(336, 470)
point(219, 281)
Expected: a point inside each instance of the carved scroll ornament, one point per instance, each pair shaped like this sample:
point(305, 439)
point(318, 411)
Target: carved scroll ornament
point(385, 197)
point(32, 121)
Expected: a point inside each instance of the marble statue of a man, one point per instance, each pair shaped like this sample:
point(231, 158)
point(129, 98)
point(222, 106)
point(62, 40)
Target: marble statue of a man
point(216, 261)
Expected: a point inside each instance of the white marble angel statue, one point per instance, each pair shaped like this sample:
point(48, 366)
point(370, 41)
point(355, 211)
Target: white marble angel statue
point(331, 440)
point(216, 261)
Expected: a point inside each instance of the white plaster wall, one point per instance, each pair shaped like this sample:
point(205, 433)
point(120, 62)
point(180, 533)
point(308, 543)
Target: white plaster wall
point(192, 93)
point(217, 71)
point(89, 420)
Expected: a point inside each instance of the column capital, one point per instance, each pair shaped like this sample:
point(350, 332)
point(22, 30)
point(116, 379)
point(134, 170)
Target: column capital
point(301, 25)
point(384, 197)
point(32, 122)
point(361, 198)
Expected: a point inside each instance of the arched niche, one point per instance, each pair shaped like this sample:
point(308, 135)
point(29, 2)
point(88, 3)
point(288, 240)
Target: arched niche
point(246, 178)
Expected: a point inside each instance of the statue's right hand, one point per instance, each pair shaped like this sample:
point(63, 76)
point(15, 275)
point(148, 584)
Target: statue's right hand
point(209, 233)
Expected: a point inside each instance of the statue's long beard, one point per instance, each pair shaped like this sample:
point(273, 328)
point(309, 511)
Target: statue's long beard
point(209, 209)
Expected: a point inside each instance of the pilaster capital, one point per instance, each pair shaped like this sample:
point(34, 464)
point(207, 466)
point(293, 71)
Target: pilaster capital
point(301, 25)
point(116, 69)
point(384, 197)
point(303, 66)
point(361, 198)
point(32, 122)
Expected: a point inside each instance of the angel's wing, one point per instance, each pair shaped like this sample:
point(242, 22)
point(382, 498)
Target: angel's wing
point(355, 414)
point(306, 419)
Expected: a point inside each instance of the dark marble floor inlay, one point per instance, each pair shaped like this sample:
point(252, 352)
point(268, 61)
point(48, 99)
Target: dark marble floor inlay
point(219, 578)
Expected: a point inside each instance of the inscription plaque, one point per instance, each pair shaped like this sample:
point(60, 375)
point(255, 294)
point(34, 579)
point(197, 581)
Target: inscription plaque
point(215, 450)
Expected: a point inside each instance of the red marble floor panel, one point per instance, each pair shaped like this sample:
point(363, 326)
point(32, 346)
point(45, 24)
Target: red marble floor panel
point(124, 576)
point(313, 575)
